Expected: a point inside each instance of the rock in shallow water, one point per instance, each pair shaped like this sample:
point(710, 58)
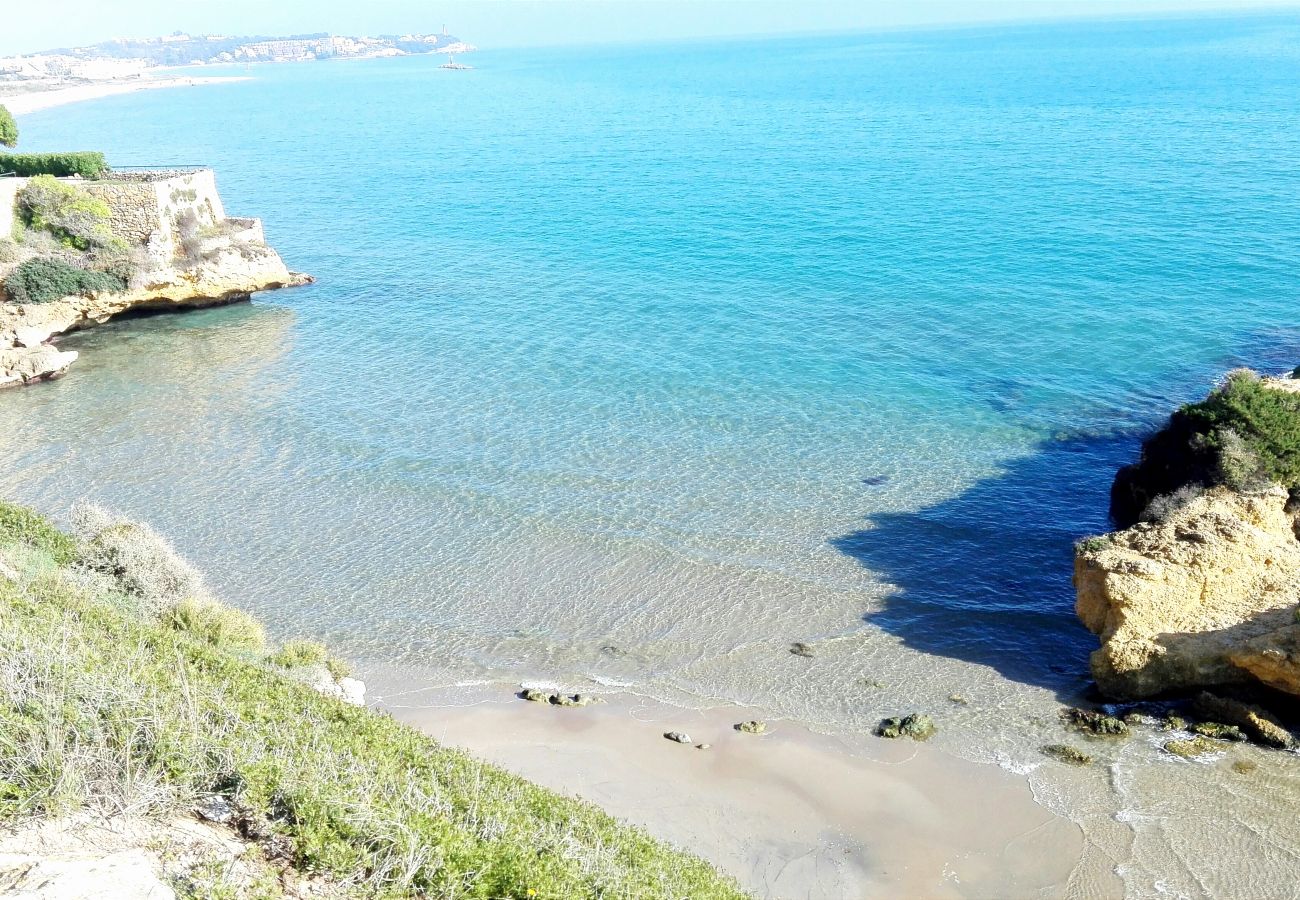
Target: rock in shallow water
point(917, 726)
point(1067, 754)
point(1193, 747)
point(1259, 724)
point(678, 736)
point(1094, 723)
point(753, 726)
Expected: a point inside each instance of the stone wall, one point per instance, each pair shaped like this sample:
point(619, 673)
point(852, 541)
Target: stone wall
point(144, 206)
point(133, 208)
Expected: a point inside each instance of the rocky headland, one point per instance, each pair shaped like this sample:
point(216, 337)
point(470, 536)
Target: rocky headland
point(1202, 591)
point(184, 252)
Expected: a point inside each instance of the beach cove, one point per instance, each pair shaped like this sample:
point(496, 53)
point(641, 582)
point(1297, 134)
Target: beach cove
point(642, 435)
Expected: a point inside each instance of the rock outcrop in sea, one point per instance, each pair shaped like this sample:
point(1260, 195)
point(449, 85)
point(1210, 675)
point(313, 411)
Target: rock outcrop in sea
point(1206, 596)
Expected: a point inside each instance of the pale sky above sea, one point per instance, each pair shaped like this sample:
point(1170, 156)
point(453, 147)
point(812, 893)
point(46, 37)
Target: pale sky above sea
point(503, 23)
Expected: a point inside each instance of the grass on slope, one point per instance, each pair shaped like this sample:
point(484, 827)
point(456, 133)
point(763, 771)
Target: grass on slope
point(107, 707)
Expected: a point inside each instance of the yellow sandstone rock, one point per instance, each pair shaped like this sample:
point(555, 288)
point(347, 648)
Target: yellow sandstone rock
point(1206, 597)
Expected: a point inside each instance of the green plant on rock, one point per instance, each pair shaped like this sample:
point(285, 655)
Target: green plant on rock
point(43, 280)
point(1244, 434)
point(66, 211)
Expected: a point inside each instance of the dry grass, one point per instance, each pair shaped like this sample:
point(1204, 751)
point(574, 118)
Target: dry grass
point(105, 704)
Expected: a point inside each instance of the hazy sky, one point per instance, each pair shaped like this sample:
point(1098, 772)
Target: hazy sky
point(497, 23)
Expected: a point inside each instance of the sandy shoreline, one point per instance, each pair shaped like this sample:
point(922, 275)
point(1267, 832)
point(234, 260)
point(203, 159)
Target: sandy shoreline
point(790, 813)
point(21, 102)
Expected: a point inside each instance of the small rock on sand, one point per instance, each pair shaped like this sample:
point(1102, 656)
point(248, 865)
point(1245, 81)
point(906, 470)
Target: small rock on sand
point(678, 736)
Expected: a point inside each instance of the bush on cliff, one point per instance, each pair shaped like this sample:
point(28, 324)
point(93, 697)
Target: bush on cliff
point(8, 129)
point(43, 280)
point(104, 706)
point(64, 210)
point(61, 165)
point(1243, 435)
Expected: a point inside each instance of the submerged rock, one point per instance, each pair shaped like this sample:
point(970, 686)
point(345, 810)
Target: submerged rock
point(1094, 723)
point(753, 726)
point(917, 726)
point(1244, 766)
point(1193, 747)
point(1066, 754)
point(801, 649)
point(679, 736)
point(958, 699)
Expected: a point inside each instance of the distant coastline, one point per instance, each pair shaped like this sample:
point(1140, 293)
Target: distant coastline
point(39, 97)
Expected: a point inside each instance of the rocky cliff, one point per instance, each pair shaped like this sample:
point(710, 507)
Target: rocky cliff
point(1204, 595)
point(229, 271)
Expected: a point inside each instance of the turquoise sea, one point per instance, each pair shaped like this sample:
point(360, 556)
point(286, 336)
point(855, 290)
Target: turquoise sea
point(629, 366)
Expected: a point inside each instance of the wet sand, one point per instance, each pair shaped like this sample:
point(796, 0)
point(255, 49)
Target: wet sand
point(789, 813)
point(21, 99)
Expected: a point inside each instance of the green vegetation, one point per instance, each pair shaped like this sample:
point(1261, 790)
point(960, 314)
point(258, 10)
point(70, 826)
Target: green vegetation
point(87, 164)
point(8, 128)
point(1243, 435)
point(43, 280)
point(66, 211)
point(19, 525)
point(295, 654)
point(115, 694)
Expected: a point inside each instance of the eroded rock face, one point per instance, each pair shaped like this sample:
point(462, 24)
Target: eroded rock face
point(1206, 597)
point(227, 275)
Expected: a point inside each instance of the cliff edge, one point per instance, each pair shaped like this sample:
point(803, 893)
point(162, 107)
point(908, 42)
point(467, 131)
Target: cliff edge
point(1202, 587)
point(91, 250)
point(1204, 596)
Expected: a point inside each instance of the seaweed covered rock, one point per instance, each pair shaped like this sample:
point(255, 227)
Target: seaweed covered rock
point(917, 726)
point(1098, 724)
point(1066, 754)
point(1193, 747)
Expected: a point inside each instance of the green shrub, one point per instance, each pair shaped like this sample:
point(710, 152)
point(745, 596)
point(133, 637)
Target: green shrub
point(60, 165)
point(1243, 434)
point(66, 211)
point(43, 280)
point(212, 622)
point(8, 129)
point(295, 654)
point(19, 525)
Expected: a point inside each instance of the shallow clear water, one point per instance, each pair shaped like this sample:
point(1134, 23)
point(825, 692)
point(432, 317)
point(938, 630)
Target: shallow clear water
point(635, 365)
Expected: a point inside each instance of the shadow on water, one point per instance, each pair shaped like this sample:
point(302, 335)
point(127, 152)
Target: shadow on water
point(985, 576)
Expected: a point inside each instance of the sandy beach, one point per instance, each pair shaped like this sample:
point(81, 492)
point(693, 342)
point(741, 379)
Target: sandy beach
point(789, 813)
point(26, 98)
